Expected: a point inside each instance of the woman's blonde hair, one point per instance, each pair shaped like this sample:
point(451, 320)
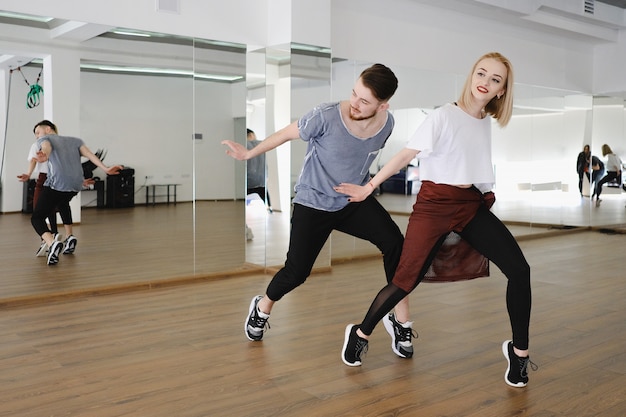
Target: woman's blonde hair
point(501, 108)
point(606, 149)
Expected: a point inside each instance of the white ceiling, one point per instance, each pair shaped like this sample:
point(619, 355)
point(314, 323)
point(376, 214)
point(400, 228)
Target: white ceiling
point(602, 22)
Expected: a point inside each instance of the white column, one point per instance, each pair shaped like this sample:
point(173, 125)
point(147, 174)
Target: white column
point(61, 99)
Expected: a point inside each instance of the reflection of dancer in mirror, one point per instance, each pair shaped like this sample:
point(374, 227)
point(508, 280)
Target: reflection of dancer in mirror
point(343, 140)
point(65, 180)
point(454, 148)
point(613, 171)
point(256, 172)
point(582, 167)
point(44, 128)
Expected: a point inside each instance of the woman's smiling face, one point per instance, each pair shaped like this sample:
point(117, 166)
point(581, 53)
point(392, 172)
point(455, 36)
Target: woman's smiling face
point(488, 79)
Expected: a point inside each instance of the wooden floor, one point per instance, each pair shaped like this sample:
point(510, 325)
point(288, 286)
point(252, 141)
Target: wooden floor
point(180, 351)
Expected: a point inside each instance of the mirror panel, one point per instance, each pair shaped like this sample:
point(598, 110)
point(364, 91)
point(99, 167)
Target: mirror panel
point(219, 112)
point(143, 99)
point(289, 82)
point(608, 128)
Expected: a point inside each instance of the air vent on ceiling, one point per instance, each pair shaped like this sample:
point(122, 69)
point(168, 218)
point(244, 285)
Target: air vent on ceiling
point(171, 6)
point(589, 6)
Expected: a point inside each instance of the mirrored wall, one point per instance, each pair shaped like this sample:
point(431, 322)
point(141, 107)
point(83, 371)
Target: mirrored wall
point(161, 105)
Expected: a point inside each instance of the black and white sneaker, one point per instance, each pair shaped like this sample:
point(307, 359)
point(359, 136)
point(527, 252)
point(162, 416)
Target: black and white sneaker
point(256, 322)
point(516, 374)
point(70, 245)
point(401, 335)
point(53, 255)
point(43, 248)
point(354, 346)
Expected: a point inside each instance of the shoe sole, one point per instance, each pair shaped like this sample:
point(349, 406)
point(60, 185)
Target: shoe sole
point(505, 352)
point(245, 324)
point(346, 337)
point(389, 327)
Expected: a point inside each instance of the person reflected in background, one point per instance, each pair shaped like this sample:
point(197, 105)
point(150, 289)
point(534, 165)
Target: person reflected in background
point(597, 172)
point(613, 171)
point(453, 145)
point(256, 173)
point(41, 169)
point(65, 179)
point(582, 167)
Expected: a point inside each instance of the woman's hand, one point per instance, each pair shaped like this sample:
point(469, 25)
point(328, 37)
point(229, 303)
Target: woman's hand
point(355, 193)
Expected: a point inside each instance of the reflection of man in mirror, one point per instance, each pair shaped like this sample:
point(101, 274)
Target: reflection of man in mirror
point(597, 168)
point(343, 140)
point(64, 181)
point(256, 173)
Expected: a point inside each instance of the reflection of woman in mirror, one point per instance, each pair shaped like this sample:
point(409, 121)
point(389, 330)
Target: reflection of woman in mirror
point(45, 127)
point(343, 139)
point(454, 148)
point(582, 167)
point(613, 171)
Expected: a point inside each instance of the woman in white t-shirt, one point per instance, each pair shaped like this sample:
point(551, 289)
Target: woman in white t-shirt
point(453, 146)
point(613, 171)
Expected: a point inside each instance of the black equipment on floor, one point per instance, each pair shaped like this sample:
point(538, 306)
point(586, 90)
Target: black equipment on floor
point(120, 189)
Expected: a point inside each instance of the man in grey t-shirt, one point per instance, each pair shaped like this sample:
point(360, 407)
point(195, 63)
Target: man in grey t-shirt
point(343, 140)
point(65, 180)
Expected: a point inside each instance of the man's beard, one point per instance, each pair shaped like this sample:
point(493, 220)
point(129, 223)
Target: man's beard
point(357, 118)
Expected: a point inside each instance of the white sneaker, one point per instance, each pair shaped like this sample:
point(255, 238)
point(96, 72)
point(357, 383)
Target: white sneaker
point(249, 234)
point(43, 249)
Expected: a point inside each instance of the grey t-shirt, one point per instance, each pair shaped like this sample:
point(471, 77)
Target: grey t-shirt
point(334, 156)
point(65, 170)
point(256, 169)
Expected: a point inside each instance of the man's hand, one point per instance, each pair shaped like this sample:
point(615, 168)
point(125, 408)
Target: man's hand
point(355, 193)
point(114, 169)
point(236, 150)
point(23, 177)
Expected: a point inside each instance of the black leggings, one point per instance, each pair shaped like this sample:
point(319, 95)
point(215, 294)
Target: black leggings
point(50, 199)
point(610, 175)
point(310, 228)
point(487, 234)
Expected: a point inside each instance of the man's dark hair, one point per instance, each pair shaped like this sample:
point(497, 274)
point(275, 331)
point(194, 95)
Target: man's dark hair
point(381, 80)
point(250, 131)
point(46, 123)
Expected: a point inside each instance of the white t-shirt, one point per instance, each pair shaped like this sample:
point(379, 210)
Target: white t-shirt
point(614, 163)
point(455, 148)
point(39, 166)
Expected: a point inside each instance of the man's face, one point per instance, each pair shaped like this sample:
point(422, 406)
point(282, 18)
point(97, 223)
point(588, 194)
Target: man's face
point(43, 131)
point(363, 104)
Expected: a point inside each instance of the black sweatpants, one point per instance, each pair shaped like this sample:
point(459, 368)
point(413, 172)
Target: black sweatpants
point(310, 228)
